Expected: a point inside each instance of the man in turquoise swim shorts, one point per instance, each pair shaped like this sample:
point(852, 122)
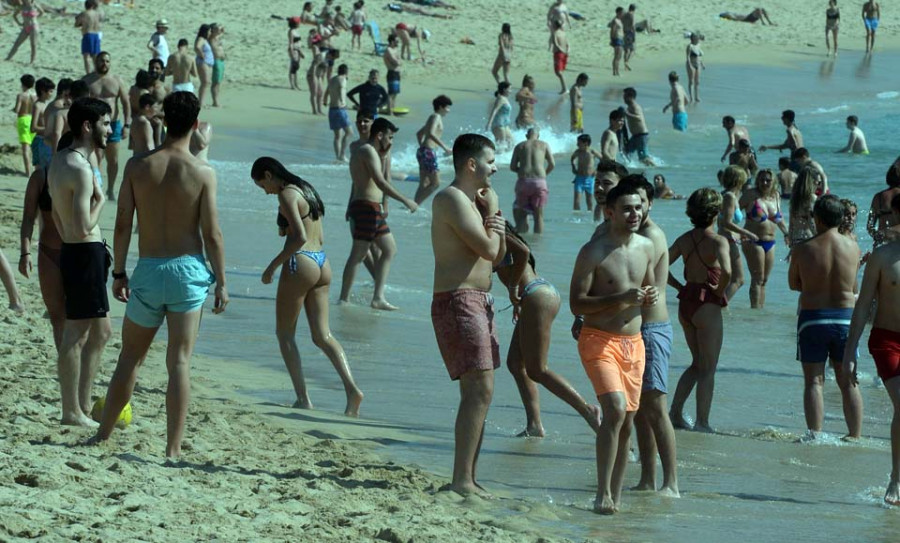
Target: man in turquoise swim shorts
point(871, 13)
point(175, 194)
point(678, 103)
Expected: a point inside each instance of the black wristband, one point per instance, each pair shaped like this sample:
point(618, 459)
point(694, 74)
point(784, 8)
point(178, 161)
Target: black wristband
point(122, 275)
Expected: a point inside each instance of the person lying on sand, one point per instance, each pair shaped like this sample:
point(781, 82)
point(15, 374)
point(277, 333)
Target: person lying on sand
point(758, 14)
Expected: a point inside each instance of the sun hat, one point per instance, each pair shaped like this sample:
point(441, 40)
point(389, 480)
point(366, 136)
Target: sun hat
point(162, 22)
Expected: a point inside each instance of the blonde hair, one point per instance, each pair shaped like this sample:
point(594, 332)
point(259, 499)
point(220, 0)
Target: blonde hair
point(773, 190)
point(703, 206)
point(734, 177)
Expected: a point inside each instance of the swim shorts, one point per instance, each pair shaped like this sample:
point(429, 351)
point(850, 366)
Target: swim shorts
point(427, 159)
point(357, 30)
point(657, 338)
point(23, 129)
point(629, 40)
point(90, 44)
point(463, 323)
point(116, 135)
point(822, 334)
point(680, 121)
point(183, 87)
point(616, 42)
point(884, 346)
point(576, 120)
point(871, 24)
point(338, 118)
point(531, 193)
point(613, 363)
point(40, 152)
point(218, 71)
point(84, 268)
point(167, 285)
point(584, 183)
point(367, 221)
point(393, 81)
point(560, 60)
point(637, 143)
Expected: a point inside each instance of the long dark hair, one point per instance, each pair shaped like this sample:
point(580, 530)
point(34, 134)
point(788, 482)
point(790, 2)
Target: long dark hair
point(269, 164)
point(203, 32)
point(511, 233)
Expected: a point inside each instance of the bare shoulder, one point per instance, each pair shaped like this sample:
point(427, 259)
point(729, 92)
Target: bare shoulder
point(448, 200)
point(656, 235)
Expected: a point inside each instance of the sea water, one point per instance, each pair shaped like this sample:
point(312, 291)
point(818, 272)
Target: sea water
point(750, 479)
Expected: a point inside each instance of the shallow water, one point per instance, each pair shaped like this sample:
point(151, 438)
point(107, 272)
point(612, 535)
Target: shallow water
point(751, 478)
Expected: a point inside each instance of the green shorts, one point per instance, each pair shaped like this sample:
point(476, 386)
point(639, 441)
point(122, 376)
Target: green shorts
point(167, 285)
point(218, 71)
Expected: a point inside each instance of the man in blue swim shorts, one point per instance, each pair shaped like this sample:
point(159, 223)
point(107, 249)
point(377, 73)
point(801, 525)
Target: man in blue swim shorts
point(338, 120)
point(174, 193)
point(678, 103)
point(111, 89)
point(871, 14)
point(89, 22)
point(392, 63)
point(824, 270)
point(617, 39)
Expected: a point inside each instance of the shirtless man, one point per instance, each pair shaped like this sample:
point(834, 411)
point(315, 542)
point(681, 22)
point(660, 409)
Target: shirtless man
point(609, 141)
point(794, 139)
point(857, 142)
point(558, 12)
point(532, 162)
point(881, 218)
point(612, 280)
point(824, 270)
point(743, 156)
point(392, 63)
point(89, 22)
point(338, 120)
point(736, 132)
point(678, 103)
point(630, 33)
point(182, 66)
point(175, 195)
point(871, 14)
point(357, 24)
point(40, 149)
point(786, 177)
point(576, 104)
point(84, 261)
point(560, 47)
point(881, 289)
point(465, 249)
point(429, 139)
point(367, 216)
point(616, 39)
point(216, 31)
point(112, 90)
point(23, 108)
point(142, 139)
point(637, 127)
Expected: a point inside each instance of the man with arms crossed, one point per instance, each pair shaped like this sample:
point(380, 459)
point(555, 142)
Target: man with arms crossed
point(532, 161)
point(175, 195)
point(465, 248)
point(367, 216)
point(881, 284)
point(112, 90)
point(612, 280)
point(338, 120)
point(84, 260)
point(824, 270)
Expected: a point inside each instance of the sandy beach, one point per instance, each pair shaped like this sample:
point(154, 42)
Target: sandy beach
point(257, 471)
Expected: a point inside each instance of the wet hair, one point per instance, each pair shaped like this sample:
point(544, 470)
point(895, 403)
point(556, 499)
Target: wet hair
point(44, 85)
point(788, 114)
point(182, 42)
point(800, 152)
point(381, 125)
point(146, 100)
point(804, 190)
point(604, 165)
point(441, 101)
point(27, 81)
point(158, 61)
point(743, 144)
point(732, 177)
point(829, 210)
point(892, 177)
point(502, 87)
point(853, 119)
point(619, 191)
point(784, 163)
point(728, 119)
point(584, 138)
point(63, 86)
point(277, 169)
point(630, 92)
point(181, 109)
point(469, 146)
point(342, 69)
point(79, 89)
point(143, 79)
point(528, 81)
point(203, 32)
point(84, 110)
point(847, 223)
point(661, 177)
point(639, 181)
point(65, 141)
point(506, 29)
point(673, 76)
point(582, 78)
point(511, 233)
point(616, 115)
point(703, 206)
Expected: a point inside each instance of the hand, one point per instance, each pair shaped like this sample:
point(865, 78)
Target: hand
point(25, 265)
point(496, 224)
point(488, 198)
point(865, 258)
point(221, 300)
point(120, 290)
point(751, 237)
point(762, 148)
point(651, 295)
point(514, 298)
point(411, 205)
point(576, 327)
point(849, 369)
point(267, 275)
point(125, 131)
point(99, 196)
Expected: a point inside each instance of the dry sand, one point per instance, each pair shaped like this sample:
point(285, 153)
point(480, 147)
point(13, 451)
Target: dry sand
point(264, 472)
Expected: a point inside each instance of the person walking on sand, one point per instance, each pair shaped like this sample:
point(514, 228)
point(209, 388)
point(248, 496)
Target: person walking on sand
point(504, 53)
point(560, 47)
point(24, 105)
point(678, 102)
point(824, 271)
point(465, 247)
point(205, 59)
point(871, 14)
point(576, 104)
point(694, 65)
point(881, 290)
point(616, 39)
point(182, 66)
point(174, 193)
point(84, 260)
point(856, 144)
point(532, 161)
point(612, 280)
point(367, 214)
point(736, 132)
point(26, 16)
point(89, 21)
point(630, 33)
point(794, 139)
point(832, 24)
point(338, 119)
point(216, 31)
point(305, 277)
point(707, 274)
point(429, 139)
point(158, 44)
point(112, 90)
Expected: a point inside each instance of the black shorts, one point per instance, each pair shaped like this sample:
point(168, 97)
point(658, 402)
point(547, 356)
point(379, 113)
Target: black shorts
point(84, 268)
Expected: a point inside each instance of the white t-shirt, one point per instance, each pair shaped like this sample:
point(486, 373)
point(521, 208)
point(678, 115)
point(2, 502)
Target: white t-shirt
point(159, 41)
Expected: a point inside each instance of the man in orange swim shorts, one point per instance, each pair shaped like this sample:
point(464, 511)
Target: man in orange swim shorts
point(612, 280)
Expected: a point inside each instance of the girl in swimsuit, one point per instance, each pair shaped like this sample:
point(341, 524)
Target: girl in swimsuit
point(305, 277)
point(295, 50)
point(526, 100)
point(536, 303)
point(880, 218)
point(694, 61)
point(733, 179)
point(29, 13)
point(205, 60)
point(498, 121)
point(832, 22)
point(762, 207)
point(707, 273)
point(504, 55)
point(317, 67)
point(803, 198)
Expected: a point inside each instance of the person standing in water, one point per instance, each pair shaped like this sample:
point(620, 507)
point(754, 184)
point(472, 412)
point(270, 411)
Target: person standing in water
point(532, 161)
point(794, 139)
point(429, 139)
point(678, 103)
point(694, 64)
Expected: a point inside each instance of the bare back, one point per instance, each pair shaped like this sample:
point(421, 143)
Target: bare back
point(826, 267)
point(181, 66)
point(530, 158)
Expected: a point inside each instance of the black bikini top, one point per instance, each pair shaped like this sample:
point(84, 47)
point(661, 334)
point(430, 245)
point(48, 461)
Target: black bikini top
point(45, 203)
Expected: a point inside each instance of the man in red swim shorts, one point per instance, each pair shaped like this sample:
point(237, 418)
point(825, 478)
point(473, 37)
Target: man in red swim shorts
point(560, 46)
point(465, 249)
point(881, 284)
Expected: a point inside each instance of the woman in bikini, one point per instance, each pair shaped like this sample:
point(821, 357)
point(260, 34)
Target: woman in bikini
point(504, 54)
point(305, 277)
point(880, 218)
point(762, 207)
point(730, 219)
point(526, 100)
point(498, 121)
point(832, 22)
point(26, 15)
point(694, 63)
point(295, 50)
point(205, 60)
point(317, 67)
point(803, 198)
point(707, 273)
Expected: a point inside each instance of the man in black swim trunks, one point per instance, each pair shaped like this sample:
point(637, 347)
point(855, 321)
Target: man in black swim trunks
point(84, 260)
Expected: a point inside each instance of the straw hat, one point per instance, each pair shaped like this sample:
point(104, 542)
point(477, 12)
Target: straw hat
point(162, 23)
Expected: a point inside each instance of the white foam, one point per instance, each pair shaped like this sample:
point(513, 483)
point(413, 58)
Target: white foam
point(887, 95)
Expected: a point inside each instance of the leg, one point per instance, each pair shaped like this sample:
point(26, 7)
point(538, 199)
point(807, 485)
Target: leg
point(383, 266)
point(112, 169)
point(182, 329)
point(495, 71)
point(618, 476)
point(576, 202)
point(428, 183)
point(851, 400)
point(756, 259)
point(813, 403)
point(292, 288)
point(562, 81)
point(527, 388)
point(892, 495)
point(20, 39)
point(98, 335)
point(74, 337)
point(520, 217)
point(338, 152)
point(476, 390)
point(50, 280)
point(34, 42)
point(88, 58)
point(737, 272)
point(662, 435)
point(26, 158)
point(538, 220)
point(345, 141)
point(646, 442)
point(608, 443)
point(203, 71)
point(688, 378)
point(708, 322)
point(9, 283)
point(767, 271)
point(357, 253)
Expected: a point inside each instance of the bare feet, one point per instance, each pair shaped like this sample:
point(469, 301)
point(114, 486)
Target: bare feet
point(383, 305)
point(680, 421)
point(669, 492)
point(18, 307)
point(531, 431)
point(850, 439)
point(704, 428)
point(892, 496)
point(79, 420)
point(604, 506)
point(467, 490)
point(354, 398)
point(93, 441)
point(644, 486)
point(810, 435)
point(303, 404)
